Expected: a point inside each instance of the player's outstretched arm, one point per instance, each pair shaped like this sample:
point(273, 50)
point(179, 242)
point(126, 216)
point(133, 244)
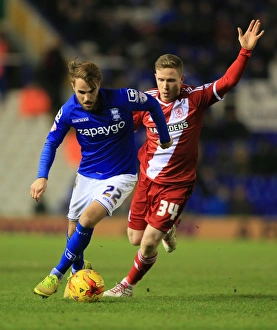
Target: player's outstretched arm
point(249, 39)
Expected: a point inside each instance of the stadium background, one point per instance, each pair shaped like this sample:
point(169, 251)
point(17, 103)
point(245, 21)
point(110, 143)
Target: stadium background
point(236, 193)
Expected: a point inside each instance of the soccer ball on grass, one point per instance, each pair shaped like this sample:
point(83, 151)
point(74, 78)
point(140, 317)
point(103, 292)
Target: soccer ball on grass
point(86, 285)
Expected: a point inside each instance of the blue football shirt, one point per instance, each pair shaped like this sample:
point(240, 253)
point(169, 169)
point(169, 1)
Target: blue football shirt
point(106, 137)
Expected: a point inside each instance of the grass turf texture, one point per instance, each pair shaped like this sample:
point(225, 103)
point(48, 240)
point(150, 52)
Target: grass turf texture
point(202, 285)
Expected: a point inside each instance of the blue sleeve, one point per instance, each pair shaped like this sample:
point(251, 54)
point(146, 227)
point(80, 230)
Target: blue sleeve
point(53, 140)
point(145, 102)
point(47, 157)
point(159, 119)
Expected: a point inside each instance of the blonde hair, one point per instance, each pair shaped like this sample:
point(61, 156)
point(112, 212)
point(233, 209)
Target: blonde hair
point(170, 61)
point(86, 70)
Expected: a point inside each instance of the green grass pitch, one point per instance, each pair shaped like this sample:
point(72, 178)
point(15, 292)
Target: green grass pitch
point(204, 285)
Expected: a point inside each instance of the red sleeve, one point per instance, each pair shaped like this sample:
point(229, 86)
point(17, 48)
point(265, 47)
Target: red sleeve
point(233, 73)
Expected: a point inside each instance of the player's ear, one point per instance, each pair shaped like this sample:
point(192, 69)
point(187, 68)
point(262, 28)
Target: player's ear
point(72, 85)
point(182, 78)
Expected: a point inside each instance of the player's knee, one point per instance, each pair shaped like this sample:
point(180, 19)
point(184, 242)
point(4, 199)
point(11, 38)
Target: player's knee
point(134, 241)
point(148, 250)
point(149, 246)
point(134, 237)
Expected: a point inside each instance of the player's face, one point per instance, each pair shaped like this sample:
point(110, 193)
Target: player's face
point(169, 84)
point(86, 96)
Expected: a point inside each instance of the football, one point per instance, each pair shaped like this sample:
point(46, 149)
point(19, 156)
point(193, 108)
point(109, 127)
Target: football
point(86, 285)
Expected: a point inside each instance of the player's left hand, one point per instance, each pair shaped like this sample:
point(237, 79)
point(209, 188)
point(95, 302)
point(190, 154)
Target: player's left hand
point(251, 36)
point(165, 145)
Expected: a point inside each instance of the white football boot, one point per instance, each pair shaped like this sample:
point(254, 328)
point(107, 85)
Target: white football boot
point(170, 240)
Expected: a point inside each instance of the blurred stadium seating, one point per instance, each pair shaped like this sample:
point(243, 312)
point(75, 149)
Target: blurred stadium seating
point(22, 139)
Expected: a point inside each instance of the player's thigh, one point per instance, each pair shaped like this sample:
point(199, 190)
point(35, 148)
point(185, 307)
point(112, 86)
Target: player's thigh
point(82, 196)
point(94, 213)
point(167, 204)
point(112, 192)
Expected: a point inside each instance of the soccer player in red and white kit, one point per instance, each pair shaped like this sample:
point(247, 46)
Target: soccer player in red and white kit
point(167, 177)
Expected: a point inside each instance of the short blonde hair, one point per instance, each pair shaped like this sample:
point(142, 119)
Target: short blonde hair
point(86, 70)
point(170, 61)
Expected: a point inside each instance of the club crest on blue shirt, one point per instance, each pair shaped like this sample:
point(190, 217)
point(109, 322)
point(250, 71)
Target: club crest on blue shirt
point(115, 114)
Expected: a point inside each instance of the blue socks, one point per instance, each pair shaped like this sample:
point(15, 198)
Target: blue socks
point(74, 248)
point(79, 262)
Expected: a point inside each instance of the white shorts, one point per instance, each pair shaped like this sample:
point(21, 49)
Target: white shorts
point(110, 193)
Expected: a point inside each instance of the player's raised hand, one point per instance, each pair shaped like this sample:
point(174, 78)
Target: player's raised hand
point(249, 39)
point(38, 188)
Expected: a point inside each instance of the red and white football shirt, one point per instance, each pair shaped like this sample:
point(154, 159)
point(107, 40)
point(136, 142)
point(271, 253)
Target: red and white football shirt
point(184, 117)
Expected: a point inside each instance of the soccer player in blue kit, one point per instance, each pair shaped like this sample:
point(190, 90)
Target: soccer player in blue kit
point(103, 121)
